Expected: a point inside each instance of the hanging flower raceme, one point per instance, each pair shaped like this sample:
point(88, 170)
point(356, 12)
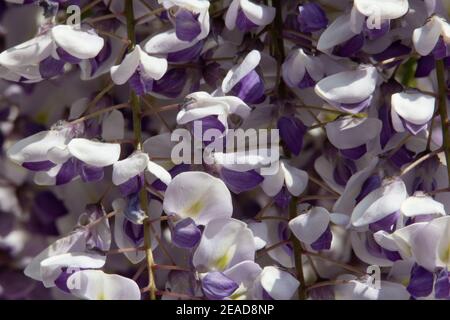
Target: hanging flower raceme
point(60, 155)
point(247, 16)
point(140, 69)
point(44, 56)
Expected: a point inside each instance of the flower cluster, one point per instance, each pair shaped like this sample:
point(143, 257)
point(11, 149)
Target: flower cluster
point(120, 177)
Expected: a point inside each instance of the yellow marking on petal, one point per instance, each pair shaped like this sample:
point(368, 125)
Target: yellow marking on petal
point(445, 256)
point(222, 262)
point(101, 296)
point(240, 293)
point(194, 209)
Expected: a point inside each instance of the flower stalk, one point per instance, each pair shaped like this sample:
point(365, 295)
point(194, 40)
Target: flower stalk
point(137, 130)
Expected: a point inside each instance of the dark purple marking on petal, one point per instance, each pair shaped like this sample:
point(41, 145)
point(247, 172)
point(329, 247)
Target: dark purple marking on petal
point(343, 171)
point(61, 281)
point(266, 295)
point(39, 165)
point(284, 235)
point(402, 157)
point(425, 65)
point(172, 83)
point(374, 248)
point(371, 183)
point(351, 47)
point(355, 107)
point(103, 55)
point(90, 173)
point(243, 23)
point(176, 170)
point(440, 50)
point(387, 224)
point(324, 241)
point(51, 67)
point(442, 285)
point(135, 232)
point(421, 282)
point(387, 130)
point(68, 171)
point(138, 84)
point(292, 131)
point(132, 186)
point(376, 33)
point(282, 198)
point(239, 182)
point(306, 82)
point(413, 128)
point(311, 17)
point(186, 234)
point(392, 255)
point(217, 286)
point(354, 153)
point(189, 54)
point(187, 26)
point(67, 57)
point(396, 49)
point(250, 89)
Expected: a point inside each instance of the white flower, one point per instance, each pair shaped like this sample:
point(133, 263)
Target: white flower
point(97, 285)
point(199, 196)
point(257, 14)
point(425, 38)
point(137, 60)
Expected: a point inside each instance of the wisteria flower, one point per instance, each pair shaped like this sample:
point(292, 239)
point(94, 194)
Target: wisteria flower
point(58, 157)
point(433, 36)
point(199, 196)
point(140, 69)
point(45, 55)
point(302, 71)
point(225, 242)
point(191, 18)
point(246, 15)
point(351, 91)
point(411, 111)
point(129, 174)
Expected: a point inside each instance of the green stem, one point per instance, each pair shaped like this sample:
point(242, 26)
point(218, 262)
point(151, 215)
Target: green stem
point(440, 71)
point(137, 129)
point(298, 259)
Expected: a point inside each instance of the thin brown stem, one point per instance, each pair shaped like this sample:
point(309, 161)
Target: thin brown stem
point(137, 130)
